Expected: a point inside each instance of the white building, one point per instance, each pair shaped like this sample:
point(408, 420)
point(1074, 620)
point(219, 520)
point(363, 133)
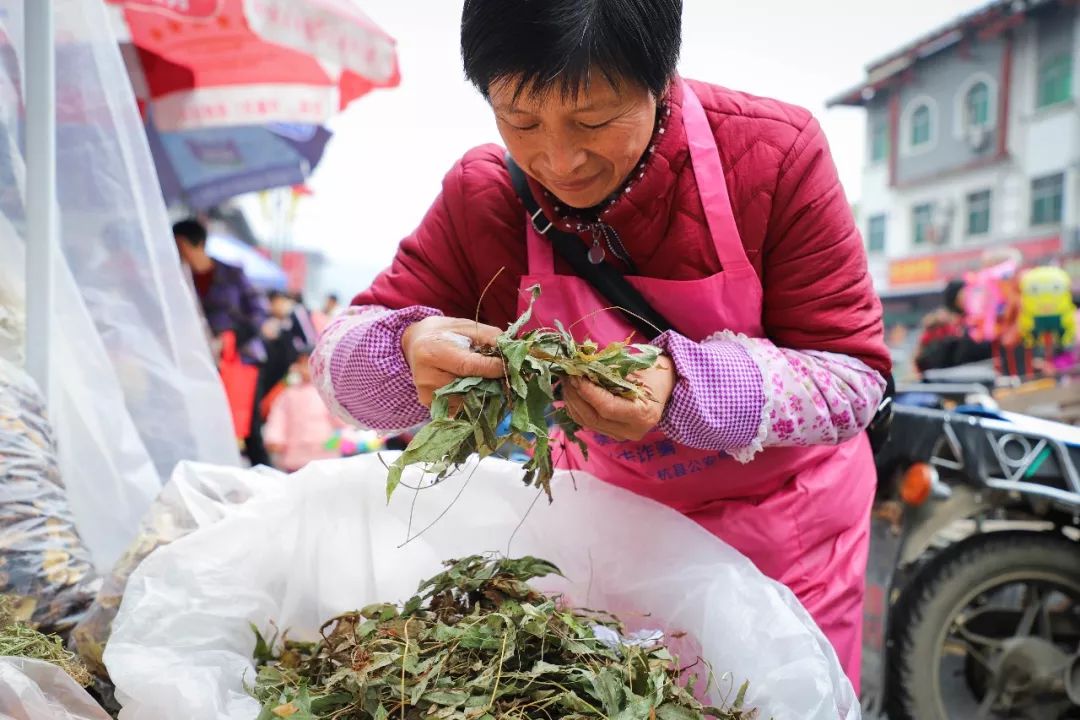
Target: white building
point(973, 142)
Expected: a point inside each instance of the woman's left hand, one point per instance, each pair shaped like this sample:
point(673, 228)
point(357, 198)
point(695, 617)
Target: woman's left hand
point(596, 409)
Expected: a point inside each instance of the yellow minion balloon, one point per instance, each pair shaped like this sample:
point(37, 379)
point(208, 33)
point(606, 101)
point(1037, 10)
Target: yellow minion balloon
point(1046, 306)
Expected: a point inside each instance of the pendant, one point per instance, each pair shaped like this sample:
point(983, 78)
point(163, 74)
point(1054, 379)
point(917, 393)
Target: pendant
point(596, 254)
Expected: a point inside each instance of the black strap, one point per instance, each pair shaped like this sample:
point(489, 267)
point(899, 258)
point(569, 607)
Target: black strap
point(605, 279)
point(610, 283)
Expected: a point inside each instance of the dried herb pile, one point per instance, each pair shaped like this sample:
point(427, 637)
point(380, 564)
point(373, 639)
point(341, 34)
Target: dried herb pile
point(466, 414)
point(19, 639)
point(477, 643)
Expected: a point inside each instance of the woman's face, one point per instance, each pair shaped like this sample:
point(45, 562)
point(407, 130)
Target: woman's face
point(580, 149)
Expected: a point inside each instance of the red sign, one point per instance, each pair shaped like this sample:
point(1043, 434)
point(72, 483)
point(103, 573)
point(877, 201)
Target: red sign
point(295, 266)
point(942, 267)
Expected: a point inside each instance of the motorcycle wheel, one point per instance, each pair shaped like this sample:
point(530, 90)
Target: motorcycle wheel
point(967, 627)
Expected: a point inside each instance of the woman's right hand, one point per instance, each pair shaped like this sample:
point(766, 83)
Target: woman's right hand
point(438, 350)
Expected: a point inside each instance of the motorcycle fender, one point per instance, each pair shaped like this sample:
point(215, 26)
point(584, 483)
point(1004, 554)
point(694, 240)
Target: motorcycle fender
point(922, 524)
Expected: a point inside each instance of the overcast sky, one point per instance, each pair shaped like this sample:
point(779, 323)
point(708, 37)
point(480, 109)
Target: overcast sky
point(392, 148)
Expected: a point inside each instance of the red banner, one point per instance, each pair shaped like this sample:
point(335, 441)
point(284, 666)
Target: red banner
point(942, 267)
point(295, 266)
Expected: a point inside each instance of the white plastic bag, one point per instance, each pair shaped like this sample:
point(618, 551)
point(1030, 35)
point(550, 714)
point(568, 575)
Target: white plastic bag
point(323, 541)
point(36, 690)
point(198, 495)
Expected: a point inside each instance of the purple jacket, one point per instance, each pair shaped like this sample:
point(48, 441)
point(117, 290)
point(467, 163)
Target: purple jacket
point(233, 303)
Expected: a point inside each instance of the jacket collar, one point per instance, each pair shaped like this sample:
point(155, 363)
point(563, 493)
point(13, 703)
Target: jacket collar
point(641, 209)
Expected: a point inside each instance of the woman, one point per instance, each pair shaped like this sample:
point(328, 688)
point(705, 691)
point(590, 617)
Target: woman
point(725, 212)
point(945, 341)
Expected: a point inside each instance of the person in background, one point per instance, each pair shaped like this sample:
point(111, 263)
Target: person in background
point(321, 318)
point(331, 307)
point(228, 300)
point(945, 341)
point(234, 313)
point(300, 425)
point(303, 321)
point(286, 333)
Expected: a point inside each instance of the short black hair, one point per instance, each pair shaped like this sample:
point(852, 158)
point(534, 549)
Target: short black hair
point(276, 294)
point(952, 296)
point(332, 297)
point(558, 43)
point(191, 230)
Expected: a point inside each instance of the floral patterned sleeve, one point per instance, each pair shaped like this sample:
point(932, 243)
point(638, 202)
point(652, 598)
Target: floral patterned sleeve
point(740, 395)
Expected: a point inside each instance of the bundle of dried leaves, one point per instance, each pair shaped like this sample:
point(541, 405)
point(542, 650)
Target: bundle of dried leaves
point(466, 414)
point(19, 639)
point(477, 643)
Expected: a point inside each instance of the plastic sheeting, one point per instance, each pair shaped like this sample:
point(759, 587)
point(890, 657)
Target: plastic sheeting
point(134, 387)
point(322, 541)
point(197, 496)
point(36, 690)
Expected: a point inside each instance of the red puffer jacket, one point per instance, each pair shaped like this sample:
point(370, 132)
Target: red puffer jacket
point(795, 222)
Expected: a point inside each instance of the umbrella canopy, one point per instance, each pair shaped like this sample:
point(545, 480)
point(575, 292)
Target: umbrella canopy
point(249, 62)
point(262, 273)
point(205, 167)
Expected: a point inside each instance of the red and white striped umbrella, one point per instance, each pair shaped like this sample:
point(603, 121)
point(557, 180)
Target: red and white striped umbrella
point(250, 62)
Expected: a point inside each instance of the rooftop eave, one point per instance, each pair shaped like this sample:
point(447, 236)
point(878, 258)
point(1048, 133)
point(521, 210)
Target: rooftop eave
point(988, 21)
point(858, 96)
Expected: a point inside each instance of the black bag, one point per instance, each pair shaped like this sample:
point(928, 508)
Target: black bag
point(610, 283)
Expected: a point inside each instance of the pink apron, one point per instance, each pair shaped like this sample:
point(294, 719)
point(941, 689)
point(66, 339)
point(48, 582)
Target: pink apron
point(800, 514)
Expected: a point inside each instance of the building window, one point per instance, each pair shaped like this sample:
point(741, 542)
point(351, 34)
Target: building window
point(978, 213)
point(920, 126)
point(922, 217)
point(977, 105)
point(879, 142)
point(1047, 195)
point(875, 237)
point(1055, 80)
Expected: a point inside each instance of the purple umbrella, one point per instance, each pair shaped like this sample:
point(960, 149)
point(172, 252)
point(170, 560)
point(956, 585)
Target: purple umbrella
point(204, 167)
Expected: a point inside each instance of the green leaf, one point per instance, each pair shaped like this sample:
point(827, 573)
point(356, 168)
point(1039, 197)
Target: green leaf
point(451, 698)
point(670, 711)
point(264, 653)
point(609, 688)
point(515, 327)
point(440, 407)
point(459, 386)
point(637, 708)
point(413, 605)
point(515, 352)
point(538, 404)
point(435, 441)
point(741, 697)
point(328, 703)
point(519, 418)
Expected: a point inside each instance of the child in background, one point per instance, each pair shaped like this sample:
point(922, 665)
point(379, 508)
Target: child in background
point(299, 424)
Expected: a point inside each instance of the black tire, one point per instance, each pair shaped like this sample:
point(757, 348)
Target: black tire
point(944, 586)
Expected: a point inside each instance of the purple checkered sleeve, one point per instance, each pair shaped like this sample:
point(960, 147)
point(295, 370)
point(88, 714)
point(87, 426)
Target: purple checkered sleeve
point(361, 371)
point(734, 394)
point(717, 401)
